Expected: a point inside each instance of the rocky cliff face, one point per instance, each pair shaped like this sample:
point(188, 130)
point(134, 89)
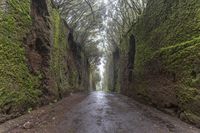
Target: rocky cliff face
point(40, 61)
point(166, 64)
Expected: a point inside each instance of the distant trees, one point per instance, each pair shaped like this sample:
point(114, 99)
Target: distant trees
point(82, 16)
point(84, 20)
point(89, 18)
point(101, 23)
point(122, 18)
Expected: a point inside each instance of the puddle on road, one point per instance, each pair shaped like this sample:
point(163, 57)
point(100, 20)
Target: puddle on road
point(100, 97)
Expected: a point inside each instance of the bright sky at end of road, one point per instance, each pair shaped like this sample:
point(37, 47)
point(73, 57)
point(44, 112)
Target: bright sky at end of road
point(105, 1)
point(101, 68)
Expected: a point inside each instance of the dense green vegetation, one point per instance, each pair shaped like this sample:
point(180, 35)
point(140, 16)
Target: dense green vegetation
point(167, 52)
point(29, 77)
point(18, 88)
point(165, 71)
point(59, 61)
point(176, 25)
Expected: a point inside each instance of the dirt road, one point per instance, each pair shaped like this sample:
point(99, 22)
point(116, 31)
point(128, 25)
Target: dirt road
point(97, 112)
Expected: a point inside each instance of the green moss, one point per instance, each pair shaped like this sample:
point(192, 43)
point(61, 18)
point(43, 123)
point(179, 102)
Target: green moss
point(188, 99)
point(186, 95)
point(18, 88)
point(64, 78)
point(170, 24)
point(143, 56)
point(56, 29)
point(168, 45)
point(183, 58)
point(195, 82)
point(191, 118)
point(168, 39)
point(56, 55)
point(142, 90)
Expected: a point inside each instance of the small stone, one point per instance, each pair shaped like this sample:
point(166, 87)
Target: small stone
point(28, 125)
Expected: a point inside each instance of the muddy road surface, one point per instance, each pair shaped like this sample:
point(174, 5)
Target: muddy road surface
point(97, 112)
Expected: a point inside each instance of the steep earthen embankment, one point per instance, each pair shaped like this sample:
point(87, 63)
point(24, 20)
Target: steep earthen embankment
point(39, 60)
point(165, 70)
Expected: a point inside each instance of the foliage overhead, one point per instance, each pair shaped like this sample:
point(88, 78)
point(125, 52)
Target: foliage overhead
point(100, 22)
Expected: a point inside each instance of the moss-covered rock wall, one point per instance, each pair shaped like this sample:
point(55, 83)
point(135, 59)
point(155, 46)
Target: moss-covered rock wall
point(18, 87)
point(37, 64)
point(69, 66)
point(166, 67)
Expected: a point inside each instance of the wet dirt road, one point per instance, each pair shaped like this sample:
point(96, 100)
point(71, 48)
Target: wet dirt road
point(101, 112)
